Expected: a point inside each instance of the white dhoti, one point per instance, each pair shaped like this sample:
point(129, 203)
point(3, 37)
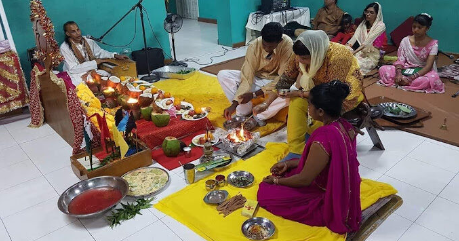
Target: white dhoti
point(230, 80)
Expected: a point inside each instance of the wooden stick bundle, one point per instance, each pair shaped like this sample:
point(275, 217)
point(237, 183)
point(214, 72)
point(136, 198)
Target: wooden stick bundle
point(231, 205)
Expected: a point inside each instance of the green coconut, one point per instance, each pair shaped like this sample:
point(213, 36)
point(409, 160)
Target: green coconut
point(160, 119)
point(146, 112)
point(171, 146)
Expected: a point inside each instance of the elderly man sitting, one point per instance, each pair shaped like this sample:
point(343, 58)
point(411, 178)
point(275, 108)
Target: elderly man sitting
point(82, 54)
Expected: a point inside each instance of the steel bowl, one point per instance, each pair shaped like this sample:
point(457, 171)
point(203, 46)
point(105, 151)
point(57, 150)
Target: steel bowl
point(236, 122)
point(216, 197)
point(232, 177)
point(264, 222)
point(151, 193)
point(98, 182)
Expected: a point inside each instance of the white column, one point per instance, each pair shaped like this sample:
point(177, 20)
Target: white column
point(6, 26)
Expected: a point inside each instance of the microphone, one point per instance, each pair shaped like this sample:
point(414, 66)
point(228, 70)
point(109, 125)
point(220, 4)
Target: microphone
point(93, 38)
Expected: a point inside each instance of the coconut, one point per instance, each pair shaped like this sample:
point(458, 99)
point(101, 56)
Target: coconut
point(160, 119)
point(171, 146)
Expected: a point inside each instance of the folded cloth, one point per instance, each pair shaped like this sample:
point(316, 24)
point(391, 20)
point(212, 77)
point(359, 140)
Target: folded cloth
point(187, 206)
point(170, 163)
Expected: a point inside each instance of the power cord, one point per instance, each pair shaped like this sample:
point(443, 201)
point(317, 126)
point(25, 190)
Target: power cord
point(195, 60)
point(133, 38)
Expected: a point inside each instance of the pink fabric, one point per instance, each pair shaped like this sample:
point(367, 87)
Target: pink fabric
point(333, 199)
point(381, 41)
point(429, 83)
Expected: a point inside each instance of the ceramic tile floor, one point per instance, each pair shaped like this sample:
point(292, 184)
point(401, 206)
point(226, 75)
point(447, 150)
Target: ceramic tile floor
point(35, 170)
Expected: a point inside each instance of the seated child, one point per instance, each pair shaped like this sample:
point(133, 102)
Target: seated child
point(347, 30)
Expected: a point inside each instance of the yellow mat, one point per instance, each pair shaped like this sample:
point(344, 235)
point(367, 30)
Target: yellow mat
point(203, 90)
point(187, 206)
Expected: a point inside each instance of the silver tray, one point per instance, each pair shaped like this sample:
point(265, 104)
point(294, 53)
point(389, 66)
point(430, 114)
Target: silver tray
point(232, 177)
point(152, 193)
point(236, 122)
point(170, 72)
point(385, 105)
point(216, 197)
point(264, 222)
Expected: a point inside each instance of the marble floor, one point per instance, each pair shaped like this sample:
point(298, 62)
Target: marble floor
point(35, 170)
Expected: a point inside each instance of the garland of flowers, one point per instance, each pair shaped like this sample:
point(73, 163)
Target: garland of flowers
point(38, 13)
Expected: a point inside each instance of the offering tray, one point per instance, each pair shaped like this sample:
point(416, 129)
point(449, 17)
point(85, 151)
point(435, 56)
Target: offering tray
point(174, 72)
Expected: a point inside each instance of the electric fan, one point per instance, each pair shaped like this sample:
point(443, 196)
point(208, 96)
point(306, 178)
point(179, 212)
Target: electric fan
point(172, 24)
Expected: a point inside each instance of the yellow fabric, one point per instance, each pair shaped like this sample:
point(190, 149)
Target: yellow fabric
point(119, 141)
point(203, 90)
point(91, 104)
point(187, 206)
point(297, 124)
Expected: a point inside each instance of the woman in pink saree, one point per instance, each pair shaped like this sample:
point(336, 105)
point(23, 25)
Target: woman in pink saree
point(416, 53)
point(322, 188)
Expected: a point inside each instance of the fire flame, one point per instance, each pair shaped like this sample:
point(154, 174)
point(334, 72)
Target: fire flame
point(239, 136)
point(132, 101)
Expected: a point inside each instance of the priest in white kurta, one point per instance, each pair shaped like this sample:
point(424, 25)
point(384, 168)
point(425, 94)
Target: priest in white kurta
point(82, 54)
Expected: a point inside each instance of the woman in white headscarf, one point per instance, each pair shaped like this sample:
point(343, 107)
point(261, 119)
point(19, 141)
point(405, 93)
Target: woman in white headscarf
point(316, 61)
point(369, 38)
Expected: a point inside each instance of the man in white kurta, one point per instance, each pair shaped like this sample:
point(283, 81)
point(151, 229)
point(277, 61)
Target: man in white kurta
point(265, 61)
point(82, 54)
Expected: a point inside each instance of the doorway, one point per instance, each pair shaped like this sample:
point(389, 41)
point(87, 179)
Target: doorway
point(188, 9)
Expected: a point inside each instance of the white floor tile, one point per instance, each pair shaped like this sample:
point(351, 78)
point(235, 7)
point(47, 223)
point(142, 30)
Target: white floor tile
point(415, 200)
point(419, 233)
point(451, 192)
point(422, 175)
point(62, 179)
point(181, 230)
point(72, 232)
point(25, 195)
point(3, 233)
point(437, 155)
point(28, 134)
point(21, 124)
point(378, 160)
point(54, 160)
point(12, 155)
point(441, 217)
point(43, 145)
point(40, 220)
point(6, 139)
point(157, 213)
point(157, 231)
point(395, 140)
point(391, 229)
point(368, 173)
point(100, 230)
point(443, 144)
point(177, 183)
point(17, 173)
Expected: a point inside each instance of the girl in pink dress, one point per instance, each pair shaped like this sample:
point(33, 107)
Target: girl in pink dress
point(322, 188)
point(416, 53)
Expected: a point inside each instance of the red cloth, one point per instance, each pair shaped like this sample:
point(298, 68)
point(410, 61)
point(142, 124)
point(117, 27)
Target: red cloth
point(13, 88)
point(153, 136)
point(170, 163)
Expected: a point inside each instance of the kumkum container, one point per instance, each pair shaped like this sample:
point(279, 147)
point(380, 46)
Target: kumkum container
point(210, 185)
point(221, 180)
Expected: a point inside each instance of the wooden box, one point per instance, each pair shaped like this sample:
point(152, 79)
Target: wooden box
point(119, 67)
point(116, 168)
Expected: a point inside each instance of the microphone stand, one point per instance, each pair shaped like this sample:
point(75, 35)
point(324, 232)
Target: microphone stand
point(149, 77)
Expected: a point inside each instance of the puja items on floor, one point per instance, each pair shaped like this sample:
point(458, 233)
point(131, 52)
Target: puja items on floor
point(240, 141)
point(231, 205)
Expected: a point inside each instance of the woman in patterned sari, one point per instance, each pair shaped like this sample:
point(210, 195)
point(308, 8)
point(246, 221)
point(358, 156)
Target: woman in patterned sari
point(369, 38)
point(417, 53)
point(322, 188)
point(316, 61)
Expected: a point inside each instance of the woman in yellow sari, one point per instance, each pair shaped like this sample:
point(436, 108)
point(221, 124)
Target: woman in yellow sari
point(316, 61)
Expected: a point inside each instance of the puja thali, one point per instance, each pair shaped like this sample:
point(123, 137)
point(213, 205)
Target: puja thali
point(237, 121)
point(146, 181)
point(398, 110)
point(241, 179)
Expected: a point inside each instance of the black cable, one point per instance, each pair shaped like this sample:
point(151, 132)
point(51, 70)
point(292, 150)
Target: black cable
point(157, 40)
point(133, 38)
point(225, 50)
